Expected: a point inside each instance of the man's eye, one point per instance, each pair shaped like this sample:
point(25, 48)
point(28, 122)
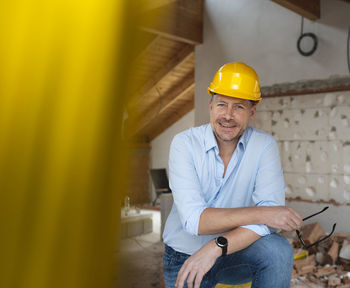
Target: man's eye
point(221, 105)
point(240, 107)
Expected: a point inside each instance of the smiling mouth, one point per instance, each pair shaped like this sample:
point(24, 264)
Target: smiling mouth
point(227, 126)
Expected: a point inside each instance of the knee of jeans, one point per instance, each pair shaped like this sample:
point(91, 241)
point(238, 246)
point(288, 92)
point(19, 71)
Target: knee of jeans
point(277, 252)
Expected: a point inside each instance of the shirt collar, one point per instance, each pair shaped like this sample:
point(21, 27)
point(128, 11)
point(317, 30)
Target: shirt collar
point(210, 140)
point(245, 137)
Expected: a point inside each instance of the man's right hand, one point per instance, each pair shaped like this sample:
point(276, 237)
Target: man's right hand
point(281, 217)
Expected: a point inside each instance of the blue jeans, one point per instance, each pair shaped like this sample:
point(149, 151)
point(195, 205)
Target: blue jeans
point(267, 263)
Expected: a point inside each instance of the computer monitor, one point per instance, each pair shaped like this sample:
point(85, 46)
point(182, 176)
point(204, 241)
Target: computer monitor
point(160, 180)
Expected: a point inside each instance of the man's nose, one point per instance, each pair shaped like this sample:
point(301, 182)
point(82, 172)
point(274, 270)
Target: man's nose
point(229, 113)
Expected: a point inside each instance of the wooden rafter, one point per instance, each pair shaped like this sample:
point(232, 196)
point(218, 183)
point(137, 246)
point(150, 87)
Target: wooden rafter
point(179, 107)
point(179, 20)
point(309, 9)
point(175, 61)
point(151, 46)
point(170, 119)
point(167, 101)
point(147, 5)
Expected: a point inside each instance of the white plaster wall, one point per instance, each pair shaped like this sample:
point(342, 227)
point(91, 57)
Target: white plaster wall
point(160, 145)
point(264, 34)
point(313, 133)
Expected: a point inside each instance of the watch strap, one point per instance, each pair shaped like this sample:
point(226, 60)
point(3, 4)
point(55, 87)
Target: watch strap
point(224, 250)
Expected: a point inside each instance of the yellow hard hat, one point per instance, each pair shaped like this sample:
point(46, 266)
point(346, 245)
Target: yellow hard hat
point(236, 80)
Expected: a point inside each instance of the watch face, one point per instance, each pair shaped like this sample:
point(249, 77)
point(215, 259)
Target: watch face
point(222, 241)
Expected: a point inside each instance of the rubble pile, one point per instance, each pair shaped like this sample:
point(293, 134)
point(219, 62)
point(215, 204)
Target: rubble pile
point(326, 264)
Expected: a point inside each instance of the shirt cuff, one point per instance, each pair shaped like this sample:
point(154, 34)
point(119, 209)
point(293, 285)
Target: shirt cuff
point(191, 225)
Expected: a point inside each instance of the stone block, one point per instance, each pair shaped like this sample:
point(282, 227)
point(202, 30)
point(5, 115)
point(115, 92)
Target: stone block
point(274, 103)
point(294, 156)
point(280, 147)
point(262, 121)
point(337, 157)
point(345, 154)
point(307, 186)
point(339, 188)
point(306, 156)
point(308, 101)
point(301, 124)
point(339, 120)
point(343, 98)
point(317, 157)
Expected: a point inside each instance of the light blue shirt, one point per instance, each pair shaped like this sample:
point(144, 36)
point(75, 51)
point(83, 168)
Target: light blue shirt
point(254, 177)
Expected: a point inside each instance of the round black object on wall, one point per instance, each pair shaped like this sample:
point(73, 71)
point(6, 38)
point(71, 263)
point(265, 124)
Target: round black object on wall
point(313, 37)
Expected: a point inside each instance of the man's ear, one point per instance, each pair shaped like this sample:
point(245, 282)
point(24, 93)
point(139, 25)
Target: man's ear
point(252, 112)
point(211, 104)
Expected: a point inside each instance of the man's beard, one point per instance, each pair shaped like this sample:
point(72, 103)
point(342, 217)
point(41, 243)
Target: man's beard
point(234, 138)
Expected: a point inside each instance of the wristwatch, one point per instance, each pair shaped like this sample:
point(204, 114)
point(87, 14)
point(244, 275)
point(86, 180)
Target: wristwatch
point(222, 243)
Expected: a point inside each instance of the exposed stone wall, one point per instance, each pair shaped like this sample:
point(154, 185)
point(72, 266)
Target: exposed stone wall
point(313, 133)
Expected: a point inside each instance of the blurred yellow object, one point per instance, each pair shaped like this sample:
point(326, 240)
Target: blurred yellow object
point(62, 161)
point(246, 285)
point(301, 255)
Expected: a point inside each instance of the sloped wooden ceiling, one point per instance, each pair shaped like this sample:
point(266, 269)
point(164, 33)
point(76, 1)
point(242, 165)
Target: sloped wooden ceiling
point(163, 78)
point(309, 9)
point(163, 82)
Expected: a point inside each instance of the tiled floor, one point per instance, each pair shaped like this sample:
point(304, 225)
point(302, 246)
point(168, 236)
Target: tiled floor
point(142, 258)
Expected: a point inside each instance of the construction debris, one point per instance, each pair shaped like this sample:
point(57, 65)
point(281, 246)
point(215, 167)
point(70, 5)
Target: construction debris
point(345, 250)
point(324, 265)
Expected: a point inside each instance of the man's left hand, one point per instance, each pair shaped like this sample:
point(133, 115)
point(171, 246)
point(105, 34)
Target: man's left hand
point(195, 267)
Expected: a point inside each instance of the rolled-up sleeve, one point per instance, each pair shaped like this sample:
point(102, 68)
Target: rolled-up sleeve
point(269, 187)
point(184, 183)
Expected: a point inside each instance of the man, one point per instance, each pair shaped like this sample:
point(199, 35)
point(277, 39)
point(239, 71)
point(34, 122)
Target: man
point(228, 190)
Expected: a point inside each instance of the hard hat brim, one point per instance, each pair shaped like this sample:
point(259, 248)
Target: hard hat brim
point(235, 94)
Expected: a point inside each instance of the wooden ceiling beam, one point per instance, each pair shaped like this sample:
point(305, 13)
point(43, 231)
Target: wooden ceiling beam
point(179, 20)
point(185, 54)
point(152, 44)
point(146, 5)
point(309, 9)
point(166, 101)
point(150, 47)
point(160, 126)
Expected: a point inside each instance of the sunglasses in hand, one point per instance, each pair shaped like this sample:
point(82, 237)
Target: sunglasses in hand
point(320, 240)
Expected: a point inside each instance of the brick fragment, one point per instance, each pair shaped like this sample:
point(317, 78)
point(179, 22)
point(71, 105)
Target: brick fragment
point(306, 265)
point(346, 279)
point(312, 232)
point(332, 254)
point(345, 263)
point(314, 280)
point(294, 273)
point(324, 271)
point(340, 237)
point(307, 269)
point(333, 281)
point(345, 250)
